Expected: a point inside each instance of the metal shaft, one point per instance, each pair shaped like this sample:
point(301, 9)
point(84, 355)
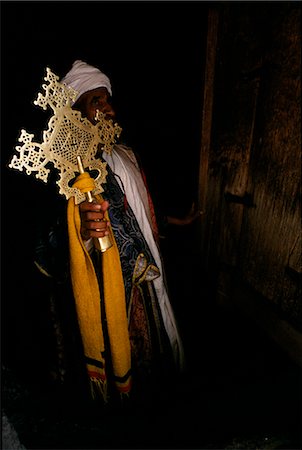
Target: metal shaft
point(101, 243)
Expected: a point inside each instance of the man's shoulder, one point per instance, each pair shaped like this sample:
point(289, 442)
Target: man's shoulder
point(124, 150)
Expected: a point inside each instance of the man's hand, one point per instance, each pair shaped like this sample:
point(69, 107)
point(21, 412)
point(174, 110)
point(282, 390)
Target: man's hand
point(93, 222)
point(189, 218)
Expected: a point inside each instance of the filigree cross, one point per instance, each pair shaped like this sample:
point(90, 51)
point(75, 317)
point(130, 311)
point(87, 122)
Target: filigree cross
point(68, 135)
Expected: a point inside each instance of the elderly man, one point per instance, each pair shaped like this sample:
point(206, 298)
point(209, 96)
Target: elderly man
point(142, 347)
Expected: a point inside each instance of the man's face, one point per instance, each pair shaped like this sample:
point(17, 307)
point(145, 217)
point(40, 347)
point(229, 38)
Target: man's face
point(91, 101)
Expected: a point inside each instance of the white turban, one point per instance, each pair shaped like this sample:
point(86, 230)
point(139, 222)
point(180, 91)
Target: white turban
point(83, 78)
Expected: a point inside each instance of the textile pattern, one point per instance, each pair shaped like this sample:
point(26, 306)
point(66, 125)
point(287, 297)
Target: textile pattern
point(129, 238)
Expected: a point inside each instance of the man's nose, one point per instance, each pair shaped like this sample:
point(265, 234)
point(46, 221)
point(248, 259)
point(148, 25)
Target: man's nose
point(109, 111)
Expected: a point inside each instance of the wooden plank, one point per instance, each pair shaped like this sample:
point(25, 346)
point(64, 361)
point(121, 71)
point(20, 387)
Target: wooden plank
point(272, 230)
point(206, 126)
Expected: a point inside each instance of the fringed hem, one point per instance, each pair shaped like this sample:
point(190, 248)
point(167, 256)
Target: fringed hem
point(124, 397)
point(124, 388)
point(98, 389)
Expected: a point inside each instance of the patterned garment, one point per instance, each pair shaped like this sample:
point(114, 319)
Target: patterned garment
point(129, 238)
point(149, 342)
point(150, 345)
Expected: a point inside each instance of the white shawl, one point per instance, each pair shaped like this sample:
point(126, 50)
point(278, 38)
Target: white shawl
point(123, 163)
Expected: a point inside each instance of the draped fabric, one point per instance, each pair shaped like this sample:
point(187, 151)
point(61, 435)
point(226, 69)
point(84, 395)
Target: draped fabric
point(88, 303)
point(129, 238)
point(156, 348)
point(125, 181)
point(83, 77)
point(150, 345)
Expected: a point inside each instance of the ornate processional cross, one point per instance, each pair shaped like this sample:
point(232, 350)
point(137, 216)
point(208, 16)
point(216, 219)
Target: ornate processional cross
point(68, 137)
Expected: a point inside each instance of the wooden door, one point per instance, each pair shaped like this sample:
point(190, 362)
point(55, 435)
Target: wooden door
point(250, 167)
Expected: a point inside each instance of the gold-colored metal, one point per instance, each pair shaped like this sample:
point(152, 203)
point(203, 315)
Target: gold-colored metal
point(102, 243)
point(68, 135)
